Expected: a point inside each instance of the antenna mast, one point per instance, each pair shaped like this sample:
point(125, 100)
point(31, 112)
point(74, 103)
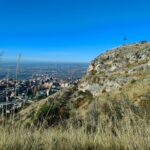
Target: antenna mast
point(125, 40)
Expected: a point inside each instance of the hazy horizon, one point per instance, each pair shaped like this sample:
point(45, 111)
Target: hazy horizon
point(43, 62)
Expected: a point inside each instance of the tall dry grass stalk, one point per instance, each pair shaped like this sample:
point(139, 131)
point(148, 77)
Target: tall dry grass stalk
point(127, 138)
point(17, 73)
point(131, 132)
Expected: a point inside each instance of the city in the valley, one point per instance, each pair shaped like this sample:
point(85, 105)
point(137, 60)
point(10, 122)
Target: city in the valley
point(28, 82)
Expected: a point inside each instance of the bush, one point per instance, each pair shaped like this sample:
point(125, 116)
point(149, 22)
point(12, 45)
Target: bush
point(93, 72)
point(143, 42)
point(52, 114)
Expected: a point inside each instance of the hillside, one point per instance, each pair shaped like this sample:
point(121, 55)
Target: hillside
point(107, 109)
point(119, 77)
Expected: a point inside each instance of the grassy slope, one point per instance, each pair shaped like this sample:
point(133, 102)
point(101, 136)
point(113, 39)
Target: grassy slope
point(126, 131)
point(111, 120)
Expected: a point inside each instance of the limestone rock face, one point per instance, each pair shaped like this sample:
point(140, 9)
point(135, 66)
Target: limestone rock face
point(148, 63)
point(116, 68)
point(91, 67)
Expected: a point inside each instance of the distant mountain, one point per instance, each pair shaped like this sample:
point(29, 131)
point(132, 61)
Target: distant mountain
point(120, 74)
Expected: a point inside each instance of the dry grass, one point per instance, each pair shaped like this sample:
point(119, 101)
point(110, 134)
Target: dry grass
point(111, 132)
point(129, 137)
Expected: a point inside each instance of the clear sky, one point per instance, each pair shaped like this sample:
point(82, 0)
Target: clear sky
point(70, 30)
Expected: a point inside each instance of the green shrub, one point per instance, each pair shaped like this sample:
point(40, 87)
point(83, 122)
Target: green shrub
point(52, 113)
point(93, 72)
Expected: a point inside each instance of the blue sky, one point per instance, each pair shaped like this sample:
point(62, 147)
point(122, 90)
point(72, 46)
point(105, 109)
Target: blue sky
point(70, 30)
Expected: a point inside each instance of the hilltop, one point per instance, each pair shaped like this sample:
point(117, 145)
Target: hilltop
point(120, 75)
point(119, 69)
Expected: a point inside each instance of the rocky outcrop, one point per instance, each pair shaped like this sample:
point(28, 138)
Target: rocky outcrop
point(116, 68)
